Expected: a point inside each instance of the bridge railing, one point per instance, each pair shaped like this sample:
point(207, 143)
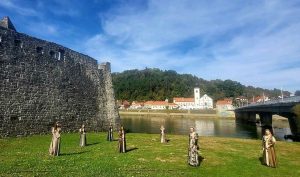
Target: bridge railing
point(274, 101)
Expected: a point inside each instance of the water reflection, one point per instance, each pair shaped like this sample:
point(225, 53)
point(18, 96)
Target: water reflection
point(203, 126)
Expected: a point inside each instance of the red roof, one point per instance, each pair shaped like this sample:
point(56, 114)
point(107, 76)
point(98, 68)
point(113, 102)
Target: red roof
point(156, 103)
point(224, 102)
point(182, 99)
point(137, 103)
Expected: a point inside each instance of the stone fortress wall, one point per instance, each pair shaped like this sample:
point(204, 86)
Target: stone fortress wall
point(42, 82)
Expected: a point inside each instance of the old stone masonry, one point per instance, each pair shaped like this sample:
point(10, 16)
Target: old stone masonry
point(42, 82)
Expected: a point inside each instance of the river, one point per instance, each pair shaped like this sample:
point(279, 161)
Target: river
point(222, 127)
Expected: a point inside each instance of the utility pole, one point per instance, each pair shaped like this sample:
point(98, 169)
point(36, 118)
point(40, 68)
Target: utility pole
point(281, 94)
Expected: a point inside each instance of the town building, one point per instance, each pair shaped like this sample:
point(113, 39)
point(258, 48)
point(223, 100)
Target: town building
point(260, 99)
point(225, 108)
point(137, 105)
point(204, 102)
point(159, 105)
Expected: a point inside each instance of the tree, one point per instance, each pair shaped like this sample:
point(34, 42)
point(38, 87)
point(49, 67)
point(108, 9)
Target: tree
point(156, 84)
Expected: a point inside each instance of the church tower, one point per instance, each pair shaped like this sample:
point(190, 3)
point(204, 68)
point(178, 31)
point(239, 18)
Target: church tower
point(197, 97)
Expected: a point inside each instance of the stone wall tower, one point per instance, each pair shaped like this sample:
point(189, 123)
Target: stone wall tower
point(110, 104)
point(42, 82)
point(6, 23)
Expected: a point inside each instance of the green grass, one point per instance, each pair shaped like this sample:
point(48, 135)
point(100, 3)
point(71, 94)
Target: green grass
point(28, 156)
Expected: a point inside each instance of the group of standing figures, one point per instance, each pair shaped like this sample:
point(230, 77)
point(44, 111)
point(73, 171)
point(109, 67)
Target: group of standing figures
point(268, 142)
point(55, 142)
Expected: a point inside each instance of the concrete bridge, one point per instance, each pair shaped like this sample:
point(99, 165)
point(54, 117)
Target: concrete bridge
point(283, 107)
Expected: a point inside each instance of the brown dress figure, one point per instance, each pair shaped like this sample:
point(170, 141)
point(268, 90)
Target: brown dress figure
point(269, 156)
point(82, 132)
point(55, 142)
point(162, 134)
point(122, 140)
point(193, 156)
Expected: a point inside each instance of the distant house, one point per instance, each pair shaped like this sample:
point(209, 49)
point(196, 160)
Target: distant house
point(225, 104)
point(225, 108)
point(260, 99)
point(241, 101)
point(137, 105)
point(159, 105)
point(204, 102)
point(184, 103)
point(123, 104)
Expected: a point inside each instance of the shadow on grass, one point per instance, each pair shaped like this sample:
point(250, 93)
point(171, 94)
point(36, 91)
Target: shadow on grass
point(91, 144)
point(112, 140)
point(200, 160)
point(131, 149)
point(261, 160)
point(72, 153)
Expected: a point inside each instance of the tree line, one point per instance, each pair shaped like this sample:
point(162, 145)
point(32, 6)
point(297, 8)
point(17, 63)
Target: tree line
point(156, 84)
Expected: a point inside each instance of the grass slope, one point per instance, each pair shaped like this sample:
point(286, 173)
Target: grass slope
point(28, 156)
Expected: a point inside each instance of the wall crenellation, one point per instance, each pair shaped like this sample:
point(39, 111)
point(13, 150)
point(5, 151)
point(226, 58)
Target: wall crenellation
point(42, 82)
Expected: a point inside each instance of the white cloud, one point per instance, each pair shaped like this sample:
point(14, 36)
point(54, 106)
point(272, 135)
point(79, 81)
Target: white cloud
point(245, 41)
point(16, 7)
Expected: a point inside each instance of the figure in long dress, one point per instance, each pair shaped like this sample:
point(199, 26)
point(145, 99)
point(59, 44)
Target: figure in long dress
point(82, 132)
point(269, 156)
point(193, 156)
point(122, 140)
point(55, 143)
point(162, 134)
point(110, 133)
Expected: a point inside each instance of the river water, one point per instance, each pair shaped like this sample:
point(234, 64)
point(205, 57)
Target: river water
point(222, 127)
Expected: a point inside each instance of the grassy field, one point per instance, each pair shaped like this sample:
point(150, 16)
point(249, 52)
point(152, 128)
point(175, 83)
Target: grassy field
point(28, 156)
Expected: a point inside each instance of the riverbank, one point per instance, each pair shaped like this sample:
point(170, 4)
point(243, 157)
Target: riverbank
point(146, 156)
point(173, 113)
point(167, 114)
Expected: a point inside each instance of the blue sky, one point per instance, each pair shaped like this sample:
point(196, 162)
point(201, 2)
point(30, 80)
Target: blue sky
point(253, 42)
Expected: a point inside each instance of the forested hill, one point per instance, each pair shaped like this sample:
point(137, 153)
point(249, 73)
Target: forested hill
point(155, 84)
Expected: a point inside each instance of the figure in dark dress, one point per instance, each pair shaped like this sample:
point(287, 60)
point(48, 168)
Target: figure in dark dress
point(110, 134)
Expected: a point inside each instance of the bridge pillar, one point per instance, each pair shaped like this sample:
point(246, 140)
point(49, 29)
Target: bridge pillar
point(294, 122)
point(266, 122)
point(239, 116)
point(249, 117)
point(266, 119)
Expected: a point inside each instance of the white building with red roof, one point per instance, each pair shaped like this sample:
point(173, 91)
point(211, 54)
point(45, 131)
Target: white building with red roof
point(204, 102)
point(159, 105)
point(225, 108)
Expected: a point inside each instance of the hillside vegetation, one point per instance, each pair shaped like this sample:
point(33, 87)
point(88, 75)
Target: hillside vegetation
point(155, 84)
